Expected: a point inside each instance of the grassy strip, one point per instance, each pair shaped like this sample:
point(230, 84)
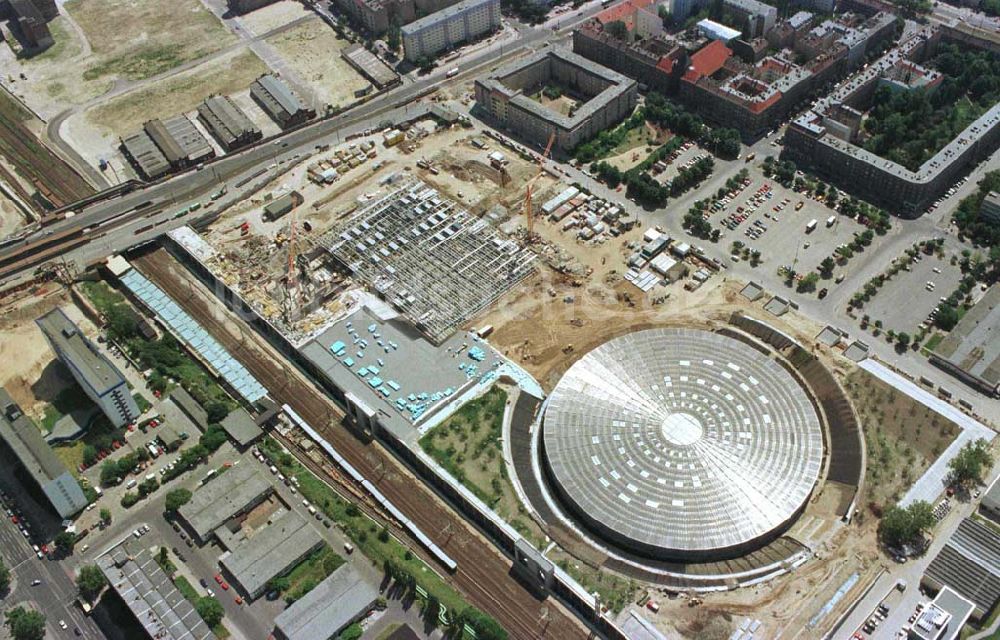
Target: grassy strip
point(360, 528)
point(220, 630)
point(311, 571)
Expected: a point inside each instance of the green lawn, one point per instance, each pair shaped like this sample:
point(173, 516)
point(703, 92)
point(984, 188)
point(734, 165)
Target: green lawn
point(311, 571)
point(70, 399)
point(361, 529)
point(469, 446)
point(933, 341)
point(220, 630)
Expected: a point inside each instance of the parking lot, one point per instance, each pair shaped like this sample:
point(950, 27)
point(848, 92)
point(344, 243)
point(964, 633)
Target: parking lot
point(668, 168)
point(907, 300)
point(766, 216)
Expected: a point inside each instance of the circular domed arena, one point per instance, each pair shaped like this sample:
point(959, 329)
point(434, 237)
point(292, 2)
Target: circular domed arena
point(681, 444)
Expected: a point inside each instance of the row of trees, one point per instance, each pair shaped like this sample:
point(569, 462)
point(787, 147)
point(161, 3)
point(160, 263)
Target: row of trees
point(486, 627)
point(902, 526)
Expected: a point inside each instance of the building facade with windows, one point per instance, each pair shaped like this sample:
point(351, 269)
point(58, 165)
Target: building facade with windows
point(97, 376)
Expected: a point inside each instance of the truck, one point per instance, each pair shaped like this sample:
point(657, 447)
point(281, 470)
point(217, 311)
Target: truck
point(832, 220)
point(811, 226)
point(452, 73)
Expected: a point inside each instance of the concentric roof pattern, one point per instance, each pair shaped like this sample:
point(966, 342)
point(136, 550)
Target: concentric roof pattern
point(682, 442)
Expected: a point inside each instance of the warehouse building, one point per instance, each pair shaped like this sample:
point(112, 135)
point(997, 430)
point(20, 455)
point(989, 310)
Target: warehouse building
point(971, 351)
point(369, 65)
point(272, 551)
point(505, 96)
point(149, 593)
point(22, 438)
point(241, 428)
point(97, 376)
point(165, 145)
point(969, 563)
point(450, 27)
point(279, 102)
point(233, 493)
point(341, 599)
point(227, 122)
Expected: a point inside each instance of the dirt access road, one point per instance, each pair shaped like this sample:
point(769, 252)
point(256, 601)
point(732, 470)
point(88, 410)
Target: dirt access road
point(483, 574)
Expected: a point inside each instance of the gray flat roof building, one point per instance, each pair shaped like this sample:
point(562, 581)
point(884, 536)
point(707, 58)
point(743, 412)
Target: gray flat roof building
point(150, 595)
point(168, 144)
point(234, 492)
point(227, 122)
point(191, 407)
point(97, 376)
point(369, 65)
point(335, 603)
point(273, 551)
point(278, 100)
point(24, 439)
point(942, 618)
point(971, 352)
point(241, 428)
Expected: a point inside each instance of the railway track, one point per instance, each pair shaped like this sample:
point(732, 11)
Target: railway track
point(483, 574)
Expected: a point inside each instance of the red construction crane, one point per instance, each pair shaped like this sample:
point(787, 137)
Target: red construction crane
point(528, 213)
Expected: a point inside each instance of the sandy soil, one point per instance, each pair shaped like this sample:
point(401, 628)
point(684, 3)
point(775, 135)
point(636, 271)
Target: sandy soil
point(273, 16)
point(99, 41)
point(312, 50)
point(31, 373)
point(11, 218)
point(136, 39)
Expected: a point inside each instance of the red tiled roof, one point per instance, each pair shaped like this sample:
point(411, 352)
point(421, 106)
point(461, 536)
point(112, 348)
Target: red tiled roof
point(708, 60)
point(623, 11)
point(666, 64)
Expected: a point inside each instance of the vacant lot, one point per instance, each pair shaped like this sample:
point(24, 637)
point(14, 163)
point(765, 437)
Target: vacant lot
point(177, 95)
point(468, 445)
point(136, 39)
point(312, 50)
point(902, 436)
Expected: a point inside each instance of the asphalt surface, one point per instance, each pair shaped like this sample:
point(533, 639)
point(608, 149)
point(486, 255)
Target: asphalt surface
point(55, 596)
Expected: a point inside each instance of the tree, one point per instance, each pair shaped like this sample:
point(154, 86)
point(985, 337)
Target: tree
point(947, 317)
point(176, 499)
point(25, 624)
point(109, 473)
point(210, 610)
point(826, 267)
point(352, 632)
point(147, 487)
point(105, 515)
point(89, 455)
point(901, 526)
point(902, 341)
point(486, 628)
point(425, 64)
point(392, 37)
point(4, 577)
point(968, 466)
point(808, 282)
point(217, 411)
point(616, 29)
point(64, 542)
point(90, 581)
point(280, 584)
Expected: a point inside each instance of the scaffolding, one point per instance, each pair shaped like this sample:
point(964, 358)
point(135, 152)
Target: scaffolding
point(435, 262)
